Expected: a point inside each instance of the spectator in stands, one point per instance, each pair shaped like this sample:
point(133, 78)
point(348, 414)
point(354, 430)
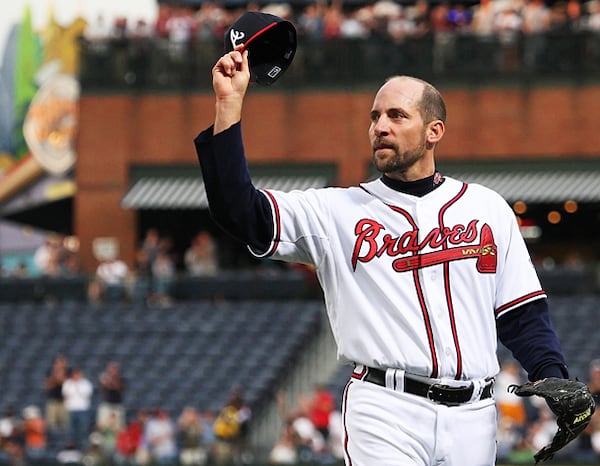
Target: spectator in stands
point(34, 434)
point(181, 27)
point(163, 276)
point(160, 26)
point(140, 51)
point(160, 437)
point(201, 257)
point(104, 438)
point(112, 389)
point(151, 241)
point(541, 431)
point(536, 23)
point(77, 392)
point(575, 15)
point(11, 450)
point(509, 440)
point(332, 21)
point(512, 414)
point(231, 428)
point(321, 407)
point(94, 454)
point(510, 406)
point(141, 277)
point(109, 282)
point(335, 443)
point(129, 442)
point(47, 256)
point(400, 28)
point(71, 265)
point(285, 450)
point(56, 413)
point(191, 430)
point(483, 26)
point(588, 441)
point(444, 38)
point(69, 454)
point(508, 24)
point(310, 444)
point(310, 23)
point(97, 64)
point(208, 433)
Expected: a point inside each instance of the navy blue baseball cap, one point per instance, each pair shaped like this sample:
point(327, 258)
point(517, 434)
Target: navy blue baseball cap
point(270, 41)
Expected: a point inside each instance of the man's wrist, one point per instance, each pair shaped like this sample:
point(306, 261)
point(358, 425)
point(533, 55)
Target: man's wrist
point(227, 113)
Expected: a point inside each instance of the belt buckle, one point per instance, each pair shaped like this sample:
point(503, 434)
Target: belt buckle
point(431, 393)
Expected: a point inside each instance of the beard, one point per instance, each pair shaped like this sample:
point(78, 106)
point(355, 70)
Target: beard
point(399, 162)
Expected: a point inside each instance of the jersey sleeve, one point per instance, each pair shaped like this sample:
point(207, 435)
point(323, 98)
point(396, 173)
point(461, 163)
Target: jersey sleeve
point(300, 232)
point(235, 204)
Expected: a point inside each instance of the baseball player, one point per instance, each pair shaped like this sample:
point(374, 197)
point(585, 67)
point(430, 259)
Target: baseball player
point(421, 274)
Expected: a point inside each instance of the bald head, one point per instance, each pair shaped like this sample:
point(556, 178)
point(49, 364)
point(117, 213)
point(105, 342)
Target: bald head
point(428, 99)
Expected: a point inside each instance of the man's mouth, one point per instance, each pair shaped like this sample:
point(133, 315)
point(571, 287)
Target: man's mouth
point(382, 146)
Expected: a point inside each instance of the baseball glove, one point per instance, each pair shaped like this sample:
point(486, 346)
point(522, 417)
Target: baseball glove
point(570, 401)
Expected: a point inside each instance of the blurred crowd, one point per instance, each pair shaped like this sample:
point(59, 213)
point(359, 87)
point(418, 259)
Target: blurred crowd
point(319, 20)
point(311, 431)
point(70, 428)
point(79, 426)
point(155, 269)
point(503, 36)
point(149, 279)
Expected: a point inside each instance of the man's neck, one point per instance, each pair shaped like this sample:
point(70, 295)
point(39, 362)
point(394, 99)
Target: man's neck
point(416, 188)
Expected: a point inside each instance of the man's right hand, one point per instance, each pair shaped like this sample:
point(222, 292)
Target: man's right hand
point(231, 76)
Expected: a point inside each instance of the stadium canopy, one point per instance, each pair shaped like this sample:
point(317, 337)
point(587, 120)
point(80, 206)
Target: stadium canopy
point(539, 188)
point(533, 181)
point(189, 193)
point(175, 189)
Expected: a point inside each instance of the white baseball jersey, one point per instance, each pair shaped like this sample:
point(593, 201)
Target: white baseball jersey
point(410, 282)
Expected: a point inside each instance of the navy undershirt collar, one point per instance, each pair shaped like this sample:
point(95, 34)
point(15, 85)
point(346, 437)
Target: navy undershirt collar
point(417, 188)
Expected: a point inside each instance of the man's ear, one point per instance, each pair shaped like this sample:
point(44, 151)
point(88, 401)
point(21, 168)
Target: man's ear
point(435, 131)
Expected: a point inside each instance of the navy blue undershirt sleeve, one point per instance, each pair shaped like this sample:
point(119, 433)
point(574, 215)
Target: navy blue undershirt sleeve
point(235, 204)
point(529, 334)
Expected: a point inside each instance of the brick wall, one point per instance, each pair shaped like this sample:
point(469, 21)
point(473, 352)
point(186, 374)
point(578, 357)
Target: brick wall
point(117, 131)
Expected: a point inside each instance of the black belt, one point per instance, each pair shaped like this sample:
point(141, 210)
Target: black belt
point(439, 393)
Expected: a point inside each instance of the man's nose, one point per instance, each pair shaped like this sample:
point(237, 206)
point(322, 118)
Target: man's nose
point(381, 127)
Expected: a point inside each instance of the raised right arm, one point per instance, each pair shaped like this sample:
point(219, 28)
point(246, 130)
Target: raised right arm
point(235, 204)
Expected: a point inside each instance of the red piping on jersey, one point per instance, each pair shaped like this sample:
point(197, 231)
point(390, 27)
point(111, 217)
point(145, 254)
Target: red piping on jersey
point(419, 290)
point(277, 224)
point(516, 302)
point(344, 409)
point(447, 283)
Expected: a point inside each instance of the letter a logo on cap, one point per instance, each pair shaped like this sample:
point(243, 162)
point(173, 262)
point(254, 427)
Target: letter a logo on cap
point(235, 36)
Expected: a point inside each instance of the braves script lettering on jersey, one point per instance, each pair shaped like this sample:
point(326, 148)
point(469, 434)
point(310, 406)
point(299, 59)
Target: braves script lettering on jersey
point(421, 276)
